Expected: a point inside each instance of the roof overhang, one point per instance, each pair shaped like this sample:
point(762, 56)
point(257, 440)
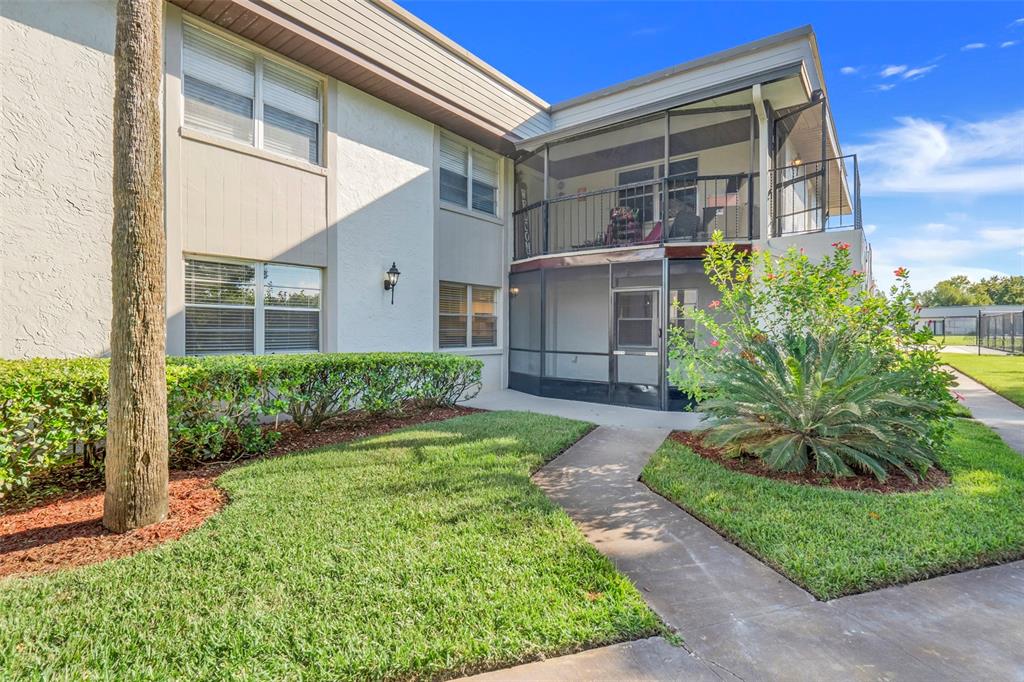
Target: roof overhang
point(647, 109)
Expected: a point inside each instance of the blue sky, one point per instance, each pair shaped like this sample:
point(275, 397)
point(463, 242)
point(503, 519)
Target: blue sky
point(930, 96)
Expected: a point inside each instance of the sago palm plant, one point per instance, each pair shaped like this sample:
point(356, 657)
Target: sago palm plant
point(828, 404)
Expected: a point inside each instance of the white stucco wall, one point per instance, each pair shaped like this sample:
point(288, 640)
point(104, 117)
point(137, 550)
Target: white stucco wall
point(818, 244)
point(385, 213)
point(56, 101)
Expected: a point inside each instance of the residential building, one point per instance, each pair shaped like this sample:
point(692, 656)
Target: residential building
point(311, 144)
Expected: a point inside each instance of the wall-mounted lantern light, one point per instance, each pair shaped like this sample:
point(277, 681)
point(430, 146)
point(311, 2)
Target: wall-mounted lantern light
point(391, 281)
point(513, 292)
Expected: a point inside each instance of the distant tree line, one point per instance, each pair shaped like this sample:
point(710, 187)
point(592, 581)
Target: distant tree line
point(959, 290)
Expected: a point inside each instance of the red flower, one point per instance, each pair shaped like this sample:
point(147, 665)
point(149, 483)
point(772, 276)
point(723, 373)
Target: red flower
point(856, 272)
point(901, 271)
point(714, 305)
point(842, 246)
point(714, 344)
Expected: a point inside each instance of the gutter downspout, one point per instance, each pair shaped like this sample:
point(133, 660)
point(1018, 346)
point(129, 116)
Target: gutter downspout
point(764, 171)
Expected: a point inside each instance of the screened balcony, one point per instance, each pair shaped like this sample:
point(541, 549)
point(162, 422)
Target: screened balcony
point(676, 176)
point(680, 175)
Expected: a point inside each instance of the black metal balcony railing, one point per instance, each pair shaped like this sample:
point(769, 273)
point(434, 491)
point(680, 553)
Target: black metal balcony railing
point(816, 196)
point(804, 198)
point(685, 208)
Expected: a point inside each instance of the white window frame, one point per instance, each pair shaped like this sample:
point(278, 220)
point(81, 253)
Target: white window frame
point(260, 56)
point(468, 340)
point(258, 308)
point(471, 151)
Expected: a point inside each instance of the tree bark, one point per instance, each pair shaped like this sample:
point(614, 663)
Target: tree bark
point(136, 459)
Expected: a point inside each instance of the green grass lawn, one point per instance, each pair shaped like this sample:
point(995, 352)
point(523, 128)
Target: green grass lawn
point(423, 553)
point(836, 542)
point(951, 340)
point(1004, 374)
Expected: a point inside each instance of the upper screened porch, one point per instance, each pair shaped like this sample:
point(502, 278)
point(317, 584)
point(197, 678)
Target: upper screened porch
point(679, 175)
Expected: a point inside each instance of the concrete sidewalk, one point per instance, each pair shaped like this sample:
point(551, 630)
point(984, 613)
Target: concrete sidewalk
point(992, 410)
point(596, 413)
point(742, 620)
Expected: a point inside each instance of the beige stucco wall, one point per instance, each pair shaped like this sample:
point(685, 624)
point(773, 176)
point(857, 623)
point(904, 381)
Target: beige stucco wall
point(56, 101)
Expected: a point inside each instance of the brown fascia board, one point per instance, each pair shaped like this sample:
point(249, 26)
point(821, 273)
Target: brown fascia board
point(265, 26)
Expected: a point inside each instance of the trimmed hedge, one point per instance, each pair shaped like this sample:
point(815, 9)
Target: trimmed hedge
point(52, 411)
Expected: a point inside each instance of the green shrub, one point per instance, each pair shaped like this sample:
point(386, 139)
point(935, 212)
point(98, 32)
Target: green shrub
point(766, 298)
point(52, 411)
point(798, 403)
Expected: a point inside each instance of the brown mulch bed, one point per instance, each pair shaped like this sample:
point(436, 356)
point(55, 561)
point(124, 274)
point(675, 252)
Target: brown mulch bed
point(896, 483)
point(65, 529)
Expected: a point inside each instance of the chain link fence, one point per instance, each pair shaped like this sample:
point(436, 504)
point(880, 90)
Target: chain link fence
point(998, 331)
point(1002, 331)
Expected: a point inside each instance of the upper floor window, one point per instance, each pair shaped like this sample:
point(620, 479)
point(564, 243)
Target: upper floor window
point(245, 307)
point(469, 177)
point(240, 94)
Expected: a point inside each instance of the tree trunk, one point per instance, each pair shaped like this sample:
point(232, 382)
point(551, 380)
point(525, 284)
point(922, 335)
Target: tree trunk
point(136, 459)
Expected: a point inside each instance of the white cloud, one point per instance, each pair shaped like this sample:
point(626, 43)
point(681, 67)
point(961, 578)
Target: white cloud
point(893, 70)
point(918, 72)
point(885, 87)
point(1008, 43)
point(973, 46)
point(959, 158)
point(849, 70)
point(870, 229)
point(1017, 22)
point(938, 250)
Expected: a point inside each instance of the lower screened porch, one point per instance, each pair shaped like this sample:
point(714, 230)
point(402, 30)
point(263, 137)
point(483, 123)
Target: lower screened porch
point(598, 331)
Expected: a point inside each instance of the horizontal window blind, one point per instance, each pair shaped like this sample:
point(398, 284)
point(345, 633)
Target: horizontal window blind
point(224, 314)
point(485, 183)
point(219, 84)
point(221, 80)
point(453, 317)
point(219, 331)
point(219, 307)
point(485, 317)
point(454, 172)
point(468, 316)
point(291, 331)
point(291, 112)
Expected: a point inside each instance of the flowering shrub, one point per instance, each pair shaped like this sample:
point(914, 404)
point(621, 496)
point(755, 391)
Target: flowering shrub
point(52, 411)
point(768, 299)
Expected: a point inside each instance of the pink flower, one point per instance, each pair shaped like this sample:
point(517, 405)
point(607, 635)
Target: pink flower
point(856, 272)
point(958, 396)
point(714, 305)
point(901, 271)
point(714, 344)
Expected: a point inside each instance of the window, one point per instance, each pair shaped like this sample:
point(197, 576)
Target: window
point(684, 303)
point(251, 308)
point(468, 316)
point(237, 93)
point(469, 178)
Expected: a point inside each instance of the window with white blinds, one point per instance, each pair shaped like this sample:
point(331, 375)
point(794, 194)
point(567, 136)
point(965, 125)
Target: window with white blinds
point(468, 316)
point(246, 308)
point(235, 92)
point(469, 177)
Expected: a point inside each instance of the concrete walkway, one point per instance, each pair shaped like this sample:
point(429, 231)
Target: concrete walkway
point(972, 350)
point(992, 410)
point(602, 415)
point(741, 620)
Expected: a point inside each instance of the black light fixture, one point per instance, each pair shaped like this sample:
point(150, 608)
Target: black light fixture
point(391, 280)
